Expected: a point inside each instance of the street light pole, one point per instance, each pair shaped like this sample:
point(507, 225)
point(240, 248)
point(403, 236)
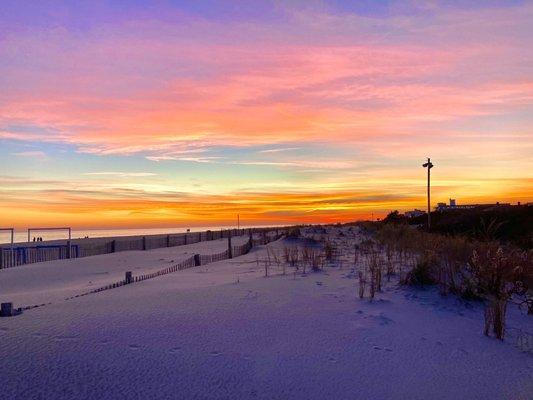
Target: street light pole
point(429, 165)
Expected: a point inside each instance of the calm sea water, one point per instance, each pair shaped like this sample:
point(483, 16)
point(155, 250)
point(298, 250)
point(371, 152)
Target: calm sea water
point(22, 236)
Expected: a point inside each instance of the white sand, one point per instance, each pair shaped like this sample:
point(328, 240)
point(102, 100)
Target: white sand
point(55, 280)
point(198, 334)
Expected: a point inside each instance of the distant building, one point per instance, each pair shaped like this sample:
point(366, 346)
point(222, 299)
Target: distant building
point(454, 206)
point(415, 213)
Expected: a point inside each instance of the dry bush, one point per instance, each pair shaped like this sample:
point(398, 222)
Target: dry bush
point(389, 251)
point(311, 256)
point(374, 265)
point(526, 302)
point(294, 232)
point(497, 274)
point(453, 254)
point(268, 256)
point(423, 271)
point(288, 254)
point(291, 255)
point(480, 270)
point(329, 250)
point(362, 284)
point(277, 259)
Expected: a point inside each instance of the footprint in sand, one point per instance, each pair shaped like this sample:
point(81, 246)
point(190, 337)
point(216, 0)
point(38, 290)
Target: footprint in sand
point(382, 348)
point(2, 329)
point(134, 347)
point(215, 353)
point(332, 360)
point(175, 350)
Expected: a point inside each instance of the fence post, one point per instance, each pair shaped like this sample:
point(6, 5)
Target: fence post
point(129, 278)
point(113, 246)
point(144, 242)
point(168, 240)
point(6, 310)
point(230, 250)
point(1, 258)
point(68, 248)
point(197, 261)
point(185, 238)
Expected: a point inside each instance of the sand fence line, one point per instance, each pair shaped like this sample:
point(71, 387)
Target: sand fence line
point(31, 252)
point(194, 261)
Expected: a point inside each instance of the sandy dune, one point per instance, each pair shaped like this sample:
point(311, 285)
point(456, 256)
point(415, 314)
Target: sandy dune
point(225, 331)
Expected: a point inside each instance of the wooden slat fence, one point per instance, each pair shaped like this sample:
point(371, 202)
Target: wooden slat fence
point(194, 261)
point(206, 259)
point(12, 257)
point(27, 254)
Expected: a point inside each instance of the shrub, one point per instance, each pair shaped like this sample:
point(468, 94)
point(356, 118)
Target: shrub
point(291, 255)
point(329, 250)
point(497, 275)
point(362, 284)
point(423, 271)
point(311, 256)
point(294, 233)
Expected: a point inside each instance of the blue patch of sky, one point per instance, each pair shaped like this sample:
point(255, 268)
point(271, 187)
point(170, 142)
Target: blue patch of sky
point(392, 8)
point(66, 162)
point(85, 15)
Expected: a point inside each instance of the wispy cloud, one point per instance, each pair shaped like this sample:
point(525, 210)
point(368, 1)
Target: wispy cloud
point(120, 174)
point(279, 150)
point(178, 158)
point(34, 154)
point(332, 164)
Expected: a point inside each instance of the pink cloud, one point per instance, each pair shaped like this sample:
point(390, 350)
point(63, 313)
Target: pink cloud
point(165, 90)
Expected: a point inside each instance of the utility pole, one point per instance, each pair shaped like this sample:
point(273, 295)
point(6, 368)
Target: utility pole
point(238, 222)
point(429, 165)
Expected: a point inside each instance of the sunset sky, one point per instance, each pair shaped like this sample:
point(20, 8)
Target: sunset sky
point(184, 113)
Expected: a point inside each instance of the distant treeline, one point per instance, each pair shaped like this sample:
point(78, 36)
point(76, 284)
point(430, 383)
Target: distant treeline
point(507, 224)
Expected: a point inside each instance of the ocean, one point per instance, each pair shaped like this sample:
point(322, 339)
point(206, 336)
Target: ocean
point(22, 235)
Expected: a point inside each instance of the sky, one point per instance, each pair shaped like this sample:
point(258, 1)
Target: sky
point(187, 113)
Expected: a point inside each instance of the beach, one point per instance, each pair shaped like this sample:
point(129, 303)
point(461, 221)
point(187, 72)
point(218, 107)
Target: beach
point(248, 328)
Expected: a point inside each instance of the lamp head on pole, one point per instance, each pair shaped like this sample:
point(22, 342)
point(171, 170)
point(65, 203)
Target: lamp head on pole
point(429, 164)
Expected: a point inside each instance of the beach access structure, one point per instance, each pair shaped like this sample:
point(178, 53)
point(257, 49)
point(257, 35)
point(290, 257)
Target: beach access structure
point(12, 255)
